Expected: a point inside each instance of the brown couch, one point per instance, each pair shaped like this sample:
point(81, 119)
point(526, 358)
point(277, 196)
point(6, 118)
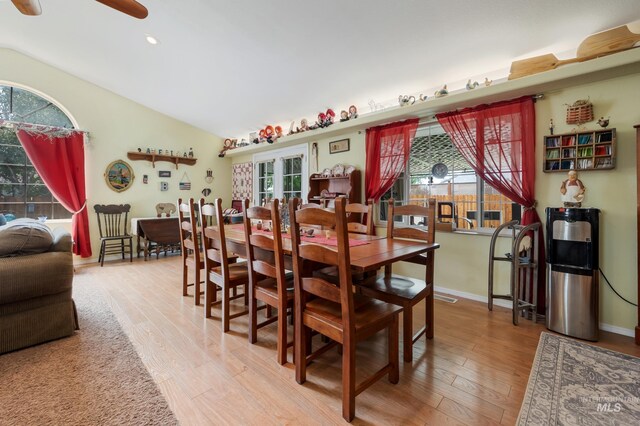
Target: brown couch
point(35, 295)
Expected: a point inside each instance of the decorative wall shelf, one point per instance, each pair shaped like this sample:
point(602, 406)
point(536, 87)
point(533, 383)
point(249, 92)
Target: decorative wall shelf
point(141, 156)
point(587, 150)
point(615, 65)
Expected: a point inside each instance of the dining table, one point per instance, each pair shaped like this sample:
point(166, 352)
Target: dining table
point(368, 253)
point(155, 231)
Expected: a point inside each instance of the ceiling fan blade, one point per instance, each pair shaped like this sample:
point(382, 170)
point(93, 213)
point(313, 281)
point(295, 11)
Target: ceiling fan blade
point(130, 7)
point(28, 7)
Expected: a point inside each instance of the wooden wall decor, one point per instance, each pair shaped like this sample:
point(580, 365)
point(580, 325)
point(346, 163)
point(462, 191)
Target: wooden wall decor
point(580, 112)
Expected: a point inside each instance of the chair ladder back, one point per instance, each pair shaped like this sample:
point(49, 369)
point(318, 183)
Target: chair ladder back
point(186, 229)
point(365, 223)
point(411, 232)
point(185, 225)
point(192, 238)
point(343, 293)
point(213, 238)
point(264, 253)
point(315, 216)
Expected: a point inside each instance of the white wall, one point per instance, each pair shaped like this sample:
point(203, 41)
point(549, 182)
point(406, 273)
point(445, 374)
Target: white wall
point(118, 125)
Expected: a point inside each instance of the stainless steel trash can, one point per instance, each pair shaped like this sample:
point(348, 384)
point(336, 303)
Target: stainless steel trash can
point(572, 272)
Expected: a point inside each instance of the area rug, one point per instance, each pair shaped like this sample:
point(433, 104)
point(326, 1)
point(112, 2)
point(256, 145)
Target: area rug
point(94, 377)
point(574, 383)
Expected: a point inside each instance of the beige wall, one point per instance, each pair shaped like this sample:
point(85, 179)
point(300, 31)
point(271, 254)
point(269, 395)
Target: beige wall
point(462, 261)
point(118, 125)
point(612, 191)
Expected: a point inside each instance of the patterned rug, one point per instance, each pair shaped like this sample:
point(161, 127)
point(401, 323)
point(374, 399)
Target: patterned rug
point(94, 377)
point(573, 383)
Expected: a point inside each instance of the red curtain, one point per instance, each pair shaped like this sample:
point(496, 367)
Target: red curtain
point(387, 152)
point(498, 142)
point(59, 160)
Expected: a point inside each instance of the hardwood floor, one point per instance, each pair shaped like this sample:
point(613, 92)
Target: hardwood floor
point(474, 371)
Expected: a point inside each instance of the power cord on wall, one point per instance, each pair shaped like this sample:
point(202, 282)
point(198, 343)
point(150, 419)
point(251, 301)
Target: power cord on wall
point(614, 290)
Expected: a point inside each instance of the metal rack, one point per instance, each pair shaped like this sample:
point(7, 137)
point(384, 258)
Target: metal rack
point(524, 269)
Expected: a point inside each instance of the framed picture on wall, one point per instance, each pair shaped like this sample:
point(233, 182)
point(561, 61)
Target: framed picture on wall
point(339, 146)
point(119, 175)
point(164, 173)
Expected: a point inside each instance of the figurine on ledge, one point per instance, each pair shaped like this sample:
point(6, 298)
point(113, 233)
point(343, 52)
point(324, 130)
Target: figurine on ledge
point(353, 112)
point(228, 144)
point(304, 126)
point(572, 190)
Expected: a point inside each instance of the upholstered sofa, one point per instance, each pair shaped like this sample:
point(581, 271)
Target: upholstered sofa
point(36, 277)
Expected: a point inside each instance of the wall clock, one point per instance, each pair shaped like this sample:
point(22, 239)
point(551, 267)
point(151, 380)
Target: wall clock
point(439, 170)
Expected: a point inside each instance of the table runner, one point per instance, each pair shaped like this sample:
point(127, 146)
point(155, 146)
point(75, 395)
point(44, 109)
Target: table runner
point(316, 239)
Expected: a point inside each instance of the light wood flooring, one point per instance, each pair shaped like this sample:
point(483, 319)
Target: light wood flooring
point(474, 371)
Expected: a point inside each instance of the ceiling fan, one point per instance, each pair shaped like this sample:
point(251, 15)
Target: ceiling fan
point(130, 7)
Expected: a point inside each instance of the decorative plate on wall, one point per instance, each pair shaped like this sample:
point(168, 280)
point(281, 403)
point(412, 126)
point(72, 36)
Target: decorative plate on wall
point(119, 175)
point(439, 170)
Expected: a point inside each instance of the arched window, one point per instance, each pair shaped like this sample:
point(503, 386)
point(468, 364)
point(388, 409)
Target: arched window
point(22, 191)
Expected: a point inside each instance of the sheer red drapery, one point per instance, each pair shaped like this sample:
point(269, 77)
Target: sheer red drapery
point(498, 142)
point(387, 152)
point(59, 160)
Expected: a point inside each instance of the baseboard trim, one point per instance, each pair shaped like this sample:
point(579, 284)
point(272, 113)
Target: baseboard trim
point(617, 330)
point(471, 296)
point(110, 257)
point(506, 304)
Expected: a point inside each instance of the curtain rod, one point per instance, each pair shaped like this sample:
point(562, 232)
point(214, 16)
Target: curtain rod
point(534, 97)
point(9, 124)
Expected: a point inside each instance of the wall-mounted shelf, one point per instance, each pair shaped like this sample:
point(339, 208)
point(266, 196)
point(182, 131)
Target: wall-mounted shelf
point(141, 156)
point(588, 150)
point(615, 65)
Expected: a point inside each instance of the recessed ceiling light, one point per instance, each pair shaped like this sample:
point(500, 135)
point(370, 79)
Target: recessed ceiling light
point(151, 39)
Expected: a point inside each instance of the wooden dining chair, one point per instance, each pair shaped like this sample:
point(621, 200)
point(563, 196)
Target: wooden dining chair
point(364, 224)
point(405, 291)
point(268, 282)
point(192, 257)
point(113, 223)
point(220, 272)
point(334, 310)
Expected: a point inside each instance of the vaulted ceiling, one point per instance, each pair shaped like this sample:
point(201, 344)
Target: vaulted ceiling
point(231, 67)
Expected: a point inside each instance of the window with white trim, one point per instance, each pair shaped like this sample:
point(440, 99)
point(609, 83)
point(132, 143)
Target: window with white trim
point(437, 170)
point(264, 175)
point(22, 191)
point(281, 173)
